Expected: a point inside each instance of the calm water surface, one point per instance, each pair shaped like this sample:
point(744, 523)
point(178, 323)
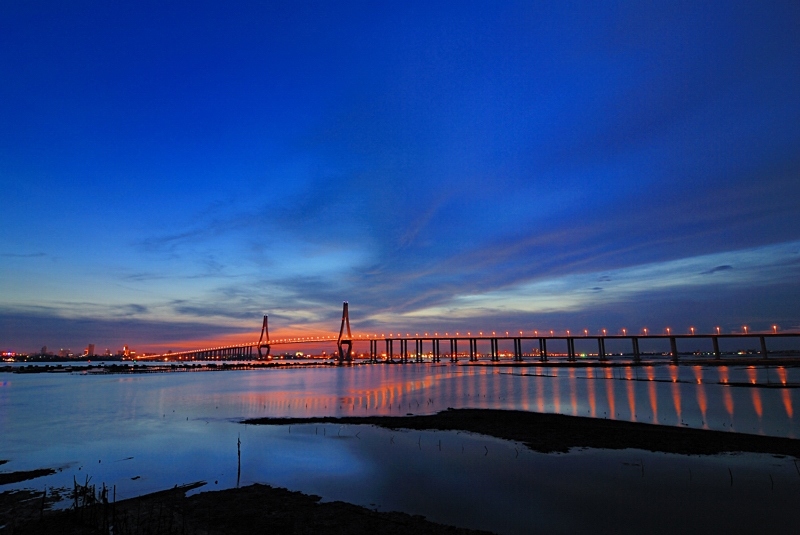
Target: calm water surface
point(151, 431)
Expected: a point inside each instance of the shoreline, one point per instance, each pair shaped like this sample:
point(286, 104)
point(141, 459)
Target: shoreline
point(260, 508)
point(558, 433)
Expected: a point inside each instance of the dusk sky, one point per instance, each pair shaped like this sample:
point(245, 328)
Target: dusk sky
point(171, 171)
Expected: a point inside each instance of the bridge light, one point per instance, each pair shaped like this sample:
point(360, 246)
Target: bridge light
point(692, 329)
point(717, 330)
point(668, 330)
point(775, 329)
point(745, 329)
point(604, 332)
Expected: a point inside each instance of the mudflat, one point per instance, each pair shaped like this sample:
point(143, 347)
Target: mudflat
point(549, 433)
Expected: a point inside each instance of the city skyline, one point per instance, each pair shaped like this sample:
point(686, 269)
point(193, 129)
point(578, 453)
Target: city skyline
point(172, 173)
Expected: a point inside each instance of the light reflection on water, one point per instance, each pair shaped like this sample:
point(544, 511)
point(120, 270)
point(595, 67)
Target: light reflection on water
point(181, 427)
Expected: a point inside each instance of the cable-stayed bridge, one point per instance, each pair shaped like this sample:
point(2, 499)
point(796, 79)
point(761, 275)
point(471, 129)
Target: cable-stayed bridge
point(395, 347)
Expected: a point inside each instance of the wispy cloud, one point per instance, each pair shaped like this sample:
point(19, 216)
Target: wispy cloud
point(762, 266)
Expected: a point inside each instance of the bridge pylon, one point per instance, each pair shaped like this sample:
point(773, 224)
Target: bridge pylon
point(345, 337)
point(263, 340)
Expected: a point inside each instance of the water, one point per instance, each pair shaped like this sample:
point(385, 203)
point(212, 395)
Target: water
point(151, 431)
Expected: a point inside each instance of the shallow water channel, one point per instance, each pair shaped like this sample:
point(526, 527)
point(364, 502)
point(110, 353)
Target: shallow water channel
point(148, 432)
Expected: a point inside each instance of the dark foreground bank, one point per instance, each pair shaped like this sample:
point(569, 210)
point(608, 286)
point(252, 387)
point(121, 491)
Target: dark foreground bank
point(559, 433)
point(255, 509)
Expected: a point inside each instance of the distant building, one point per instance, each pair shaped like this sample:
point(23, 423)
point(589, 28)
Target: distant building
point(89, 351)
point(64, 352)
point(44, 350)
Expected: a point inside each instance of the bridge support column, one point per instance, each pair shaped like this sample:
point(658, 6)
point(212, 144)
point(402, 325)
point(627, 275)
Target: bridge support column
point(404, 350)
point(717, 354)
point(373, 351)
point(543, 349)
point(517, 349)
point(495, 352)
point(435, 351)
point(263, 340)
point(636, 354)
point(389, 350)
point(601, 348)
point(417, 350)
point(453, 350)
point(673, 348)
point(571, 349)
point(763, 347)
point(473, 350)
point(345, 337)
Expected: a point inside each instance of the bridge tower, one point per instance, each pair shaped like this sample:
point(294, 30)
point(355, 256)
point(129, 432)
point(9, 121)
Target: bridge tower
point(345, 339)
point(263, 340)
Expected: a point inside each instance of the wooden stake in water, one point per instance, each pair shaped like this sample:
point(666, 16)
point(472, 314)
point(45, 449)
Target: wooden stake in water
point(239, 456)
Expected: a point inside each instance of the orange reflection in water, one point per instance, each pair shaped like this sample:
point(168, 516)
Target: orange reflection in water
point(573, 395)
point(652, 393)
point(727, 400)
point(590, 391)
point(526, 406)
point(702, 402)
point(786, 397)
point(556, 394)
point(540, 393)
point(782, 375)
point(631, 393)
point(752, 374)
point(756, 394)
point(723, 374)
point(676, 391)
point(610, 393)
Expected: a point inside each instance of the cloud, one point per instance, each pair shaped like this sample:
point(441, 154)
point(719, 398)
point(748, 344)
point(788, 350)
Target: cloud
point(717, 269)
point(758, 267)
point(22, 255)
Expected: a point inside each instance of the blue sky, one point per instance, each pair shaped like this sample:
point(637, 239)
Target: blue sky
point(171, 172)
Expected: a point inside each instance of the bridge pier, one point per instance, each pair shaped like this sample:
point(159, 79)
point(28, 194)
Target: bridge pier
point(717, 354)
point(403, 350)
point(636, 354)
point(495, 356)
point(543, 349)
point(417, 350)
point(517, 350)
point(435, 350)
point(473, 350)
point(453, 350)
point(673, 347)
point(601, 349)
point(571, 349)
point(763, 347)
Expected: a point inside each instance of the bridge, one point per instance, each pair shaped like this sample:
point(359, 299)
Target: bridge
point(345, 342)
